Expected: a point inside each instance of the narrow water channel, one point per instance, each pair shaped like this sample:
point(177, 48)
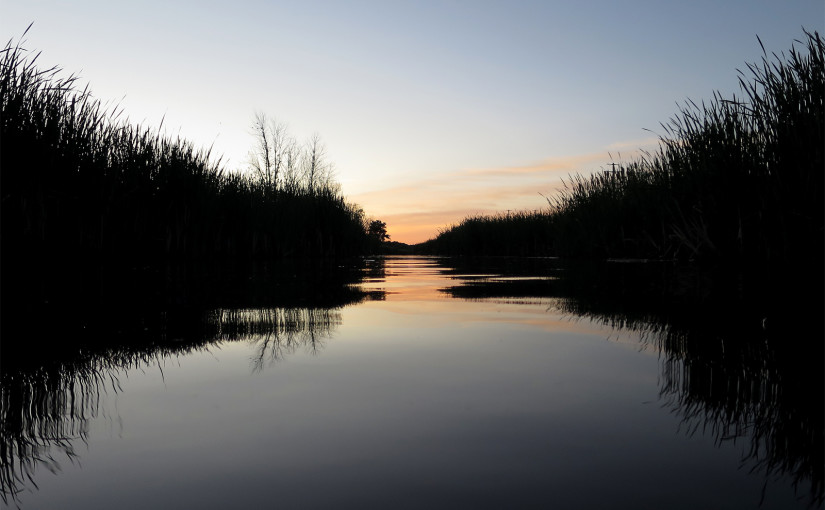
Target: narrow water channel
point(443, 387)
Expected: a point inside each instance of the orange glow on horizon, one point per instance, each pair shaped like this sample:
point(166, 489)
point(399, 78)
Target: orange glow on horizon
point(418, 210)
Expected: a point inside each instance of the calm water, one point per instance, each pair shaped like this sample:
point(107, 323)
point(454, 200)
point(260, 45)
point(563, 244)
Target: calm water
point(444, 388)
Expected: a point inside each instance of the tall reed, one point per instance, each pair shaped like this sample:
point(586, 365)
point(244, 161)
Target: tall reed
point(84, 189)
point(734, 181)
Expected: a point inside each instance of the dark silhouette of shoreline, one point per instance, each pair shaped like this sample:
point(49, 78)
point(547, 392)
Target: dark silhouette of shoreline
point(737, 182)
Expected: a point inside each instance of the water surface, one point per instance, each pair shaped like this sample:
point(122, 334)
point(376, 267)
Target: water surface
point(445, 387)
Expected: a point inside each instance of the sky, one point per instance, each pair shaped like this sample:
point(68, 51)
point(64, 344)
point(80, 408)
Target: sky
point(430, 111)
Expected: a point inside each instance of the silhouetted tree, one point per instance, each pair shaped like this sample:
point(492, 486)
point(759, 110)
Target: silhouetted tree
point(280, 164)
point(292, 168)
point(274, 152)
point(376, 235)
point(317, 171)
point(378, 230)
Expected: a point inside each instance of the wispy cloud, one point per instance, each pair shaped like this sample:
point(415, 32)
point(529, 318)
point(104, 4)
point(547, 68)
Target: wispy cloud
point(416, 209)
point(632, 147)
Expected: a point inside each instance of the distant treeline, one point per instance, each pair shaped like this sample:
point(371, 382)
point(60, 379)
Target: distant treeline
point(82, 188)
point(735, 180)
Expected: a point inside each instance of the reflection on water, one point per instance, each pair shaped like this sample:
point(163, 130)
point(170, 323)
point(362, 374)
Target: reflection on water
point(724, 372)
point(45, 413)
point(278, 332)
point(726, 378)
point(729, 370)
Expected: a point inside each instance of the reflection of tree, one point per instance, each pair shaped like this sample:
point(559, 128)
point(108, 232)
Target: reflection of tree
point(45, 411)
point(277, 332)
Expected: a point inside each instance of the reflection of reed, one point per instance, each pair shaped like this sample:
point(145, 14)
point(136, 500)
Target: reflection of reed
point(740, 388)
point(481, 288)
point(45, 411)
point(740, 384)
point(32, 425)
point(277, 332)
point(722, 371)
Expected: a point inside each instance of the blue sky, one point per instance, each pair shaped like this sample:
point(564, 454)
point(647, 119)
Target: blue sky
point(430, 110)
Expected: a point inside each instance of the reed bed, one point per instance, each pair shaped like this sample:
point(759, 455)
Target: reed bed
point(734, 181)
point(84, 188)
point(522, 233)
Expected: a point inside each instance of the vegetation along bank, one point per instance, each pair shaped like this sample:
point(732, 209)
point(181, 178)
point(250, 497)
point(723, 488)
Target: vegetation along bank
point(735, 181)
point(91, 201)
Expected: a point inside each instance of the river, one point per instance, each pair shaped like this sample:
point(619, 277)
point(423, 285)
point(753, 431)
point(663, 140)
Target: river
point(440, 387)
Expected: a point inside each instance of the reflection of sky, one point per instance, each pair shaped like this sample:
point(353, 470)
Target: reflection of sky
point(414, 97)
point(476, 415)
point(417, 401)
point(414, 287)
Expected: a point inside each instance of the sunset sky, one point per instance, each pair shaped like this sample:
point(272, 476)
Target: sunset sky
point(430, 110)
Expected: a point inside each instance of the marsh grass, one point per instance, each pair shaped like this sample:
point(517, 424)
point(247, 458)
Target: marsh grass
point(734, 181)
point(83, 189)
point(521, 233)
